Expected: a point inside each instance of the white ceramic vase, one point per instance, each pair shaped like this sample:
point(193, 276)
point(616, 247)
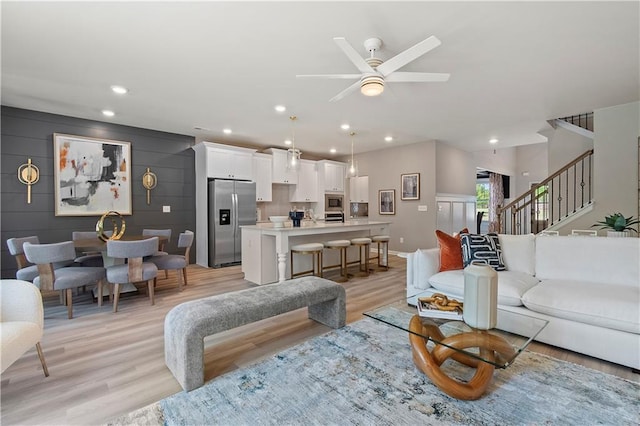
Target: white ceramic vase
point(617, 234)
point(480, 296)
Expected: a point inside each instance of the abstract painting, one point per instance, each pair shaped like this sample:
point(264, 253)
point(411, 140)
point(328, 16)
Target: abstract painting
point(91, 176)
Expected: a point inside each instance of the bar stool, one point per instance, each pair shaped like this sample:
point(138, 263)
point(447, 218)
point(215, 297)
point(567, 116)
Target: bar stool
point(384, 241)
point(364, 245)
point(341, 245)
point(314, 249)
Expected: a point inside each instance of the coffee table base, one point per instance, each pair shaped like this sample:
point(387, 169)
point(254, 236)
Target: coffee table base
point(429, 362)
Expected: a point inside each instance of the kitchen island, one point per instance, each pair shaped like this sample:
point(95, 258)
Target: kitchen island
point(265, 248)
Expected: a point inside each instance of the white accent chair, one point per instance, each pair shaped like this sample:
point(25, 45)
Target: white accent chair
point(135, 270)
point(177, 262)
point(21, 322)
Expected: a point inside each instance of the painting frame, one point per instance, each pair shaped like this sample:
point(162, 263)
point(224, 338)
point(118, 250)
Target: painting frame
point(410, 186)
point(386, 201)
point(91, 176)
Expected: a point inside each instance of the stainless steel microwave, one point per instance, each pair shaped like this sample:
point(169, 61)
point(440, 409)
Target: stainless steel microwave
point(333, 203)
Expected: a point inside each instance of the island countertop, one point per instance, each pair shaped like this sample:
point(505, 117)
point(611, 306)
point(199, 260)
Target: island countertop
point(265, 247)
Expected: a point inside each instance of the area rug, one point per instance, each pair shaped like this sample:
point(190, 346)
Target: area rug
point(363, 374)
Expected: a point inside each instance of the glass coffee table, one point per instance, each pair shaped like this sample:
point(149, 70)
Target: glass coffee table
point(435, 340)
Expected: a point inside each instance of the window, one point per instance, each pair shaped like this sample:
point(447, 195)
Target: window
point(482, 199)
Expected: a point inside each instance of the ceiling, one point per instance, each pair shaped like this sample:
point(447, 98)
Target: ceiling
point(215, 65)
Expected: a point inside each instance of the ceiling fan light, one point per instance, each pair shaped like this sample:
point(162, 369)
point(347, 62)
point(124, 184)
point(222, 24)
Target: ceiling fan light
point(372, 87)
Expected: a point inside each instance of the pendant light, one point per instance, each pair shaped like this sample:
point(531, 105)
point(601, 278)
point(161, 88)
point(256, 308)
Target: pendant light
point(293, 154)
point(352, 170)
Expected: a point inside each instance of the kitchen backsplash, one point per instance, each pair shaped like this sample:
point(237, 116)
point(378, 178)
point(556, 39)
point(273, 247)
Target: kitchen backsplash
point(280, 206)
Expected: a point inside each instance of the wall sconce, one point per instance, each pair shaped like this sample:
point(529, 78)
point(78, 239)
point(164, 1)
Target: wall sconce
point(149, 181)
point(28, 174)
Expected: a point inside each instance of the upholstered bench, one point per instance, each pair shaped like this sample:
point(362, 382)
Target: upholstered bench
point(186, 325)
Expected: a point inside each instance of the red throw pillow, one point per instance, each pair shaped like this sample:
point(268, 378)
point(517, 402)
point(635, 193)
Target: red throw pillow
point(450, 250)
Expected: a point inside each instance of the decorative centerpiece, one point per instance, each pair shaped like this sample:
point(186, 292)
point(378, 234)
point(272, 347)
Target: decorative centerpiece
point(296, 217)
point(480, 296)
point(117, 232)
point(617, 225)
point(278, 221)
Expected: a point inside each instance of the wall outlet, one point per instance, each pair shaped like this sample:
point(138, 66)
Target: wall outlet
point(166, 209)
point(401, 240)
point(422, 208)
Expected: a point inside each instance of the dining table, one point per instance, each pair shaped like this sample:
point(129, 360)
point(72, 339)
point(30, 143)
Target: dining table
point(96, 245)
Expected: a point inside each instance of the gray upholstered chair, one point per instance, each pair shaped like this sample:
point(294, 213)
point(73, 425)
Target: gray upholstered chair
point(21, 322)
point(177, 262)
point(88, 258)
point(161, 246)
point(135, 270)
point(66, 278)
point(26, 271)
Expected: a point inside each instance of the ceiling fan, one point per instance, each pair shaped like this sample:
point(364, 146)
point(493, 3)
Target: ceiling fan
point(375, 72)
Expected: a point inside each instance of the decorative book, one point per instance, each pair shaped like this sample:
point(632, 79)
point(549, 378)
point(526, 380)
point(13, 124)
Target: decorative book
point(439, 306)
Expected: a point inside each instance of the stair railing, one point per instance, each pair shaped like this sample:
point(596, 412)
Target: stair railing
point(557, 197)
point(581, 120)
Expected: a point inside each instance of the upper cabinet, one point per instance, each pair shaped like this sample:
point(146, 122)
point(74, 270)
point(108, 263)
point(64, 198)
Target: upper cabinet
point(334, 175)
point(262, 176)
point(280, 172)
point(306, 190)
point(227, 162)
point(359, 189)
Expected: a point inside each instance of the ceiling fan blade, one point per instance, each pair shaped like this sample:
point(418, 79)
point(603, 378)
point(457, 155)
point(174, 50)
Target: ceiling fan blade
point(332, 76)
point(418, 77)
point(412, 53)
point(353, 55)
point(346, 91)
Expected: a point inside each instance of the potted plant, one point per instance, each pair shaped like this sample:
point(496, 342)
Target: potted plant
point(617, 225)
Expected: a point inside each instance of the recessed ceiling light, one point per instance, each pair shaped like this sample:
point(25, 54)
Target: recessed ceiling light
point(281, 108)
point(493, 140)
point(333, 150)
point(226, 131)
point(108, 113)
point(388, 138)
point(119, 90)
point(345, 126)
point(287, 142)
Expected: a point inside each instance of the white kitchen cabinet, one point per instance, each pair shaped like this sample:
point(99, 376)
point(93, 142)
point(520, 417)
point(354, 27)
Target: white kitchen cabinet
point(280, 173)
point(359, 189)
point(262, 177)
point(334, 175)
point(306, 190)
point(229, 164)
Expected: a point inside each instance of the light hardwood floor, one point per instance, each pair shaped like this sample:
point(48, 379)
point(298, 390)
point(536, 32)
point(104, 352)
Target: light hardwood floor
point(103, 365)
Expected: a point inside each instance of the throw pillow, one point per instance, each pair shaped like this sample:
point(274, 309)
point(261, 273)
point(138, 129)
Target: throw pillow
point(450, 250)
point(483, 249)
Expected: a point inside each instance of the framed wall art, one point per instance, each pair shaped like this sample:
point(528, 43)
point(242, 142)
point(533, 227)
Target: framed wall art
point(410, 189)
point(91, 176)
point(387, 201)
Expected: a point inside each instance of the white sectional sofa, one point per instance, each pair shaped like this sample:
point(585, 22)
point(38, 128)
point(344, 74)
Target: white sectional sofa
point(588, 288)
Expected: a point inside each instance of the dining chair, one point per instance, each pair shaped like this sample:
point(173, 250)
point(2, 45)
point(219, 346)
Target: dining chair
point(135, 270)
point(66, 278)
point(177, 262)
point(21, 322)
point(161, 247)
point(89, 258)
point(26, 271)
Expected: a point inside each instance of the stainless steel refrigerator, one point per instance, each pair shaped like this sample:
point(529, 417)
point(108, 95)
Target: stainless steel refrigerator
point(231, 204)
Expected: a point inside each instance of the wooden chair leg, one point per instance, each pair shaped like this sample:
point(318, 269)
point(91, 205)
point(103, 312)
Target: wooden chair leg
point(180, 279)
point(42, 361)
point(100, 293)
point(184, 273)
point(70, 302)
point(151, 292)
point(116, 296)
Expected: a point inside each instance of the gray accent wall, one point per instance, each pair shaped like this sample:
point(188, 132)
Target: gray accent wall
point(29, 134)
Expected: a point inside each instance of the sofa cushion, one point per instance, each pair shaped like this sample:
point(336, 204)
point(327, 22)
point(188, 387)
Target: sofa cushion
point(450, 251)
point(604, 305)
point(518, 252)
point(511, 285)
point(589, 259)
point(483, 249)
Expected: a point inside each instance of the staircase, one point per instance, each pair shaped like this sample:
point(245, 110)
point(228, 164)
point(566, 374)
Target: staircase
point(563, 195)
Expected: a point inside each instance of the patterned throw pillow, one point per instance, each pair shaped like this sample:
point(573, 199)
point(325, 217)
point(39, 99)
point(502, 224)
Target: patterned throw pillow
point(482, 249)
